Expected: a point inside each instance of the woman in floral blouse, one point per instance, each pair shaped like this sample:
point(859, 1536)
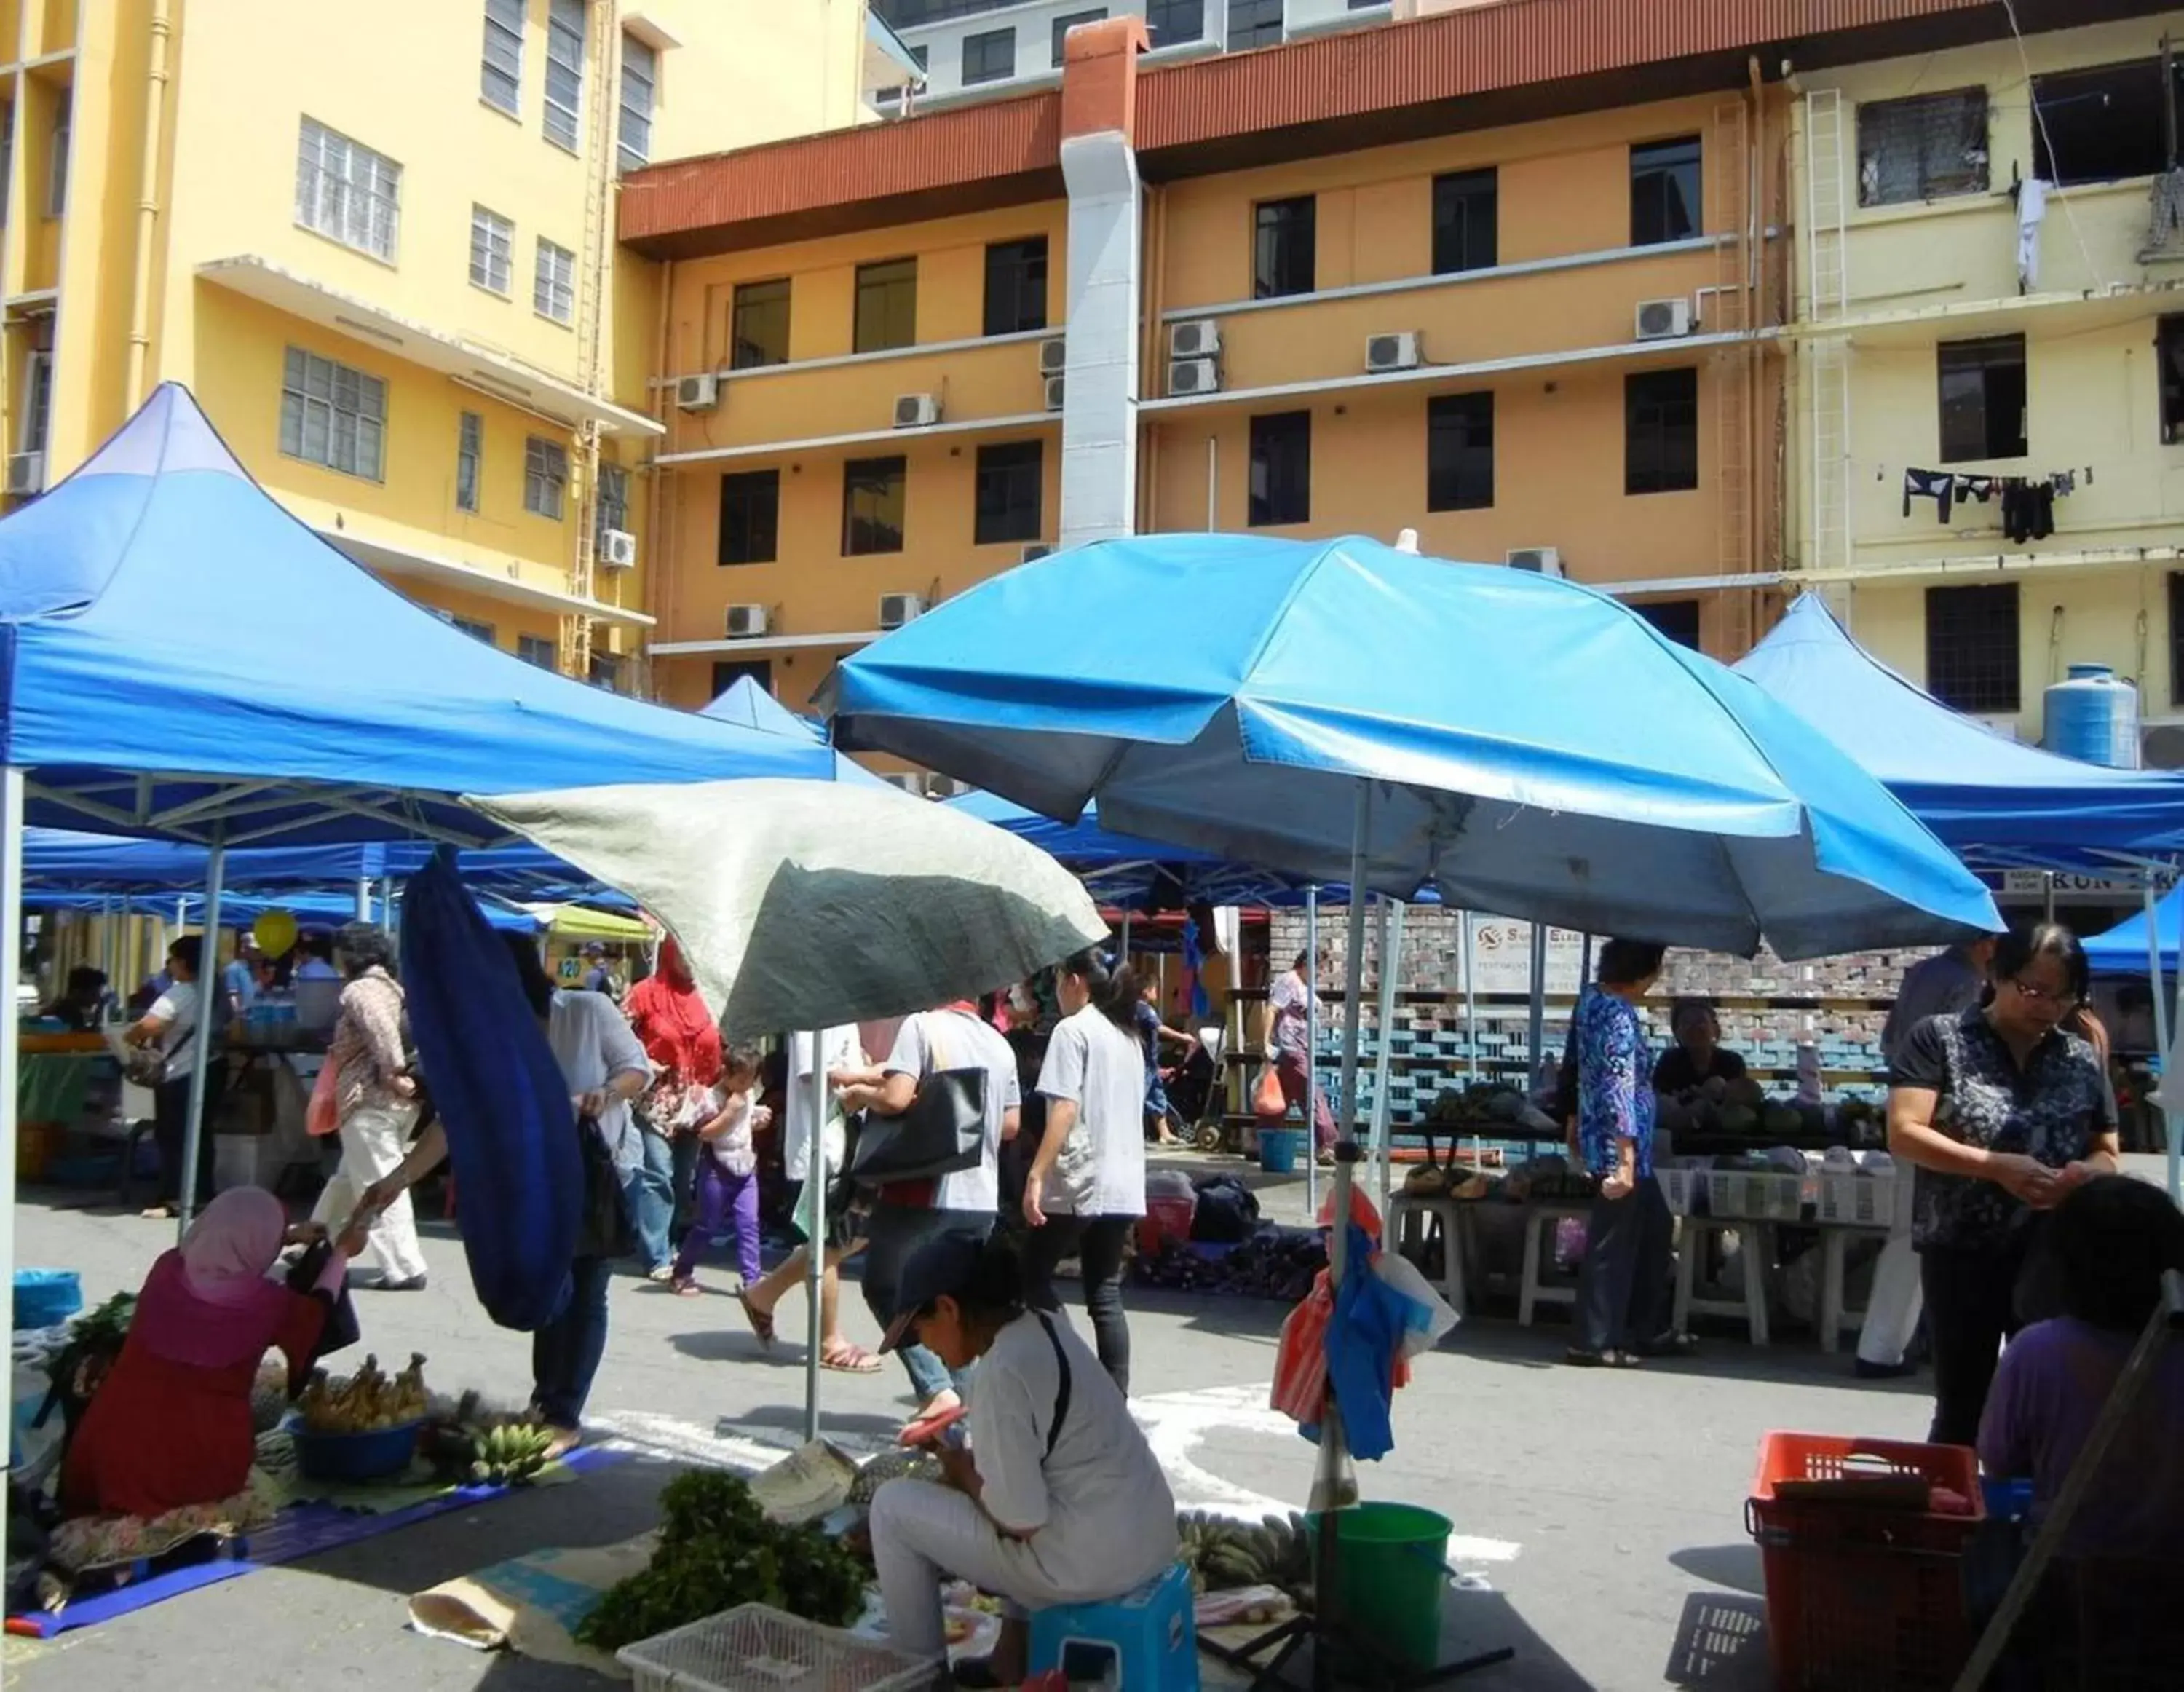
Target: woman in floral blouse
point(1623, 1311)
point(376, 1099)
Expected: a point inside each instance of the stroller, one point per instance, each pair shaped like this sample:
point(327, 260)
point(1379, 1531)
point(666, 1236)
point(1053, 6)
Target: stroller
point(1196, 1100)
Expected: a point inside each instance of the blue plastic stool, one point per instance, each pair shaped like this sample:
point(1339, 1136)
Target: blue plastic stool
point(1148, 1639)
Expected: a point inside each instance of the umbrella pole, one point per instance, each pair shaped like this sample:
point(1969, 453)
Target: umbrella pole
point(11, 976)
point(815, 1229)
point(1391, 952)
point(2169, 1119)
point(1311, 1047)
point(201, 1046)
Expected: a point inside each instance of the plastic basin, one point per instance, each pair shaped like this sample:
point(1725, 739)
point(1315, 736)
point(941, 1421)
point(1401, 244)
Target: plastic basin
point(1279, 1149)
point(44, 1297)
point(371, 1456)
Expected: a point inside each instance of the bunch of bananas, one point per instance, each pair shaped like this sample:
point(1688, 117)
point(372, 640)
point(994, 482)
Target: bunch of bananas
point(1225, 1556)
point(508, 1454)
point(367, 1401)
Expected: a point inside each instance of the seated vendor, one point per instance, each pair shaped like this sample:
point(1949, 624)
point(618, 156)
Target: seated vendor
point(1058, 1499)
point(80, 1006)
point(1697, 1056)
point(170, 1424)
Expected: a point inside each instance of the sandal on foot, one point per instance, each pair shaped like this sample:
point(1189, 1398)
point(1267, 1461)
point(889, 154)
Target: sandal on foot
point(761, 1322)
point(1579, 1358)
point(850, 1359)
point(1623, 1359)
point(685, 1286)
point(662, 1275)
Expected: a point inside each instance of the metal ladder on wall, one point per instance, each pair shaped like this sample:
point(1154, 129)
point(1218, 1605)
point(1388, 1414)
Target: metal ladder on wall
point(1827, 356)
point(593, 259)
point(1728, 213)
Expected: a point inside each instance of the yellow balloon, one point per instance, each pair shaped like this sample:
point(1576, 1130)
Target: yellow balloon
point(275, 930)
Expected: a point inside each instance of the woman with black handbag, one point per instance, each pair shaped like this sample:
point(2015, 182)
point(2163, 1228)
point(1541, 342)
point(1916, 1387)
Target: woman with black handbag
point(937, 1111)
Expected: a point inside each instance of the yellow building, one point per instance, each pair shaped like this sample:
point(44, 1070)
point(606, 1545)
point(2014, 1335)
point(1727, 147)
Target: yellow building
point(377, 243)
point(1987, 434)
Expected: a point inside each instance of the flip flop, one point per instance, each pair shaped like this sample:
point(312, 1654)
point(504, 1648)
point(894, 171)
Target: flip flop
point(851, 1360)
point(761, 1322)
point(685, 1287)
point(926, 1429)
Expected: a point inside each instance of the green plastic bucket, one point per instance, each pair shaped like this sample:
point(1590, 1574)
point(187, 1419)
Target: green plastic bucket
point(1391, 1574)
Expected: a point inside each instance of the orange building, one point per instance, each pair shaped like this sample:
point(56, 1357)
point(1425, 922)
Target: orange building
point(1511, 276)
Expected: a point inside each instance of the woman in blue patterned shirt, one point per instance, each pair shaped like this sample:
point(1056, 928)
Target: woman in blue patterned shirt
point(1622, 1309)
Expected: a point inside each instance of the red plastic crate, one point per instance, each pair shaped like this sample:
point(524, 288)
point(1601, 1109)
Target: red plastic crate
point(1859, 1596)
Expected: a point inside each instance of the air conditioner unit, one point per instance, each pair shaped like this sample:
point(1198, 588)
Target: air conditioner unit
point(1385, 353)
point(1054, 392)
point(698, 393)
point(617, 549)
point(917, 411)
point(898, 609)
point(1200, 339)
point(1194, 376)
point(1037, 550)
point(1539, 560)
point(908, 780)
point(1663, 320)
point(26, 473)
point(2161, 746)
point(746, 622)
point(1053, 357)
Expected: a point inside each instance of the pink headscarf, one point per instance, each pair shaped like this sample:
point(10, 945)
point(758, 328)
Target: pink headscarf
point(232, 1245)
point(209, 1303)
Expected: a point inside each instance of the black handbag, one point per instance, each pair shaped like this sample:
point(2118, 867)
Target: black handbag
point(341, 1329)
point(943, 1133)
point(604, 1230)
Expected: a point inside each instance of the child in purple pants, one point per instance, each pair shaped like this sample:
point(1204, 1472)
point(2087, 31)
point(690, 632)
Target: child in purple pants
point(727, 1174)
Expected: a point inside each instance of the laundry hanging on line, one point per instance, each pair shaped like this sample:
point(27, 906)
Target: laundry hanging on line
point(2028, 503)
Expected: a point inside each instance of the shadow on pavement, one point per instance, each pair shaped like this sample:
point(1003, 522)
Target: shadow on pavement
point(791, 1418)
point(1735, 1567)
point(1794, 1361)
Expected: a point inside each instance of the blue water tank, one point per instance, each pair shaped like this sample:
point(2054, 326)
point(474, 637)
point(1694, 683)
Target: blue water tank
point(2092, 716)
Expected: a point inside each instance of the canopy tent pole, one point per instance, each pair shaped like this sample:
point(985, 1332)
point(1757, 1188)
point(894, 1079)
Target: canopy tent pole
point(1353, 994)
point(2047, 895)
point(11, 975)
point(201, 1045)
point(1535, 1026)
point(1391, 955)
point(1125, 957)
point(2170, 1120)
point(1311, 1047)
point(815, 1227)
point(363, 898)
point(108, 931)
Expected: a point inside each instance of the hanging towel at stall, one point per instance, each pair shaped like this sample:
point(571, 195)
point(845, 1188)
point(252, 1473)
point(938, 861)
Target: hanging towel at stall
point(1939, 486)
point(2031, 210)
point(511, 1132)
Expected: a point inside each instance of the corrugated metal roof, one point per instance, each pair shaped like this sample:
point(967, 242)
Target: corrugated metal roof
point(1008, 150)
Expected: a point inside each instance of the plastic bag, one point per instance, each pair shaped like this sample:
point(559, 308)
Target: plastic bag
point(322, 1116)
point(1432, 1315)
point(1269, 1104)
point(1299, 1389)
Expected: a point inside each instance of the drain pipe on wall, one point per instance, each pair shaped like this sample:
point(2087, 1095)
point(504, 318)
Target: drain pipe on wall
point(148, 208)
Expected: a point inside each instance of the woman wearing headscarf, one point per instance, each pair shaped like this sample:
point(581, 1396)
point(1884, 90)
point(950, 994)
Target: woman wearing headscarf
point(668, 1014)
point(375, 1098)
point(170, 1424)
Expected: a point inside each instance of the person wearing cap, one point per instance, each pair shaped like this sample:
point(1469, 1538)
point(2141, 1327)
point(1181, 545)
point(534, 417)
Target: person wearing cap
point(1057, 1500)
point(598, 978)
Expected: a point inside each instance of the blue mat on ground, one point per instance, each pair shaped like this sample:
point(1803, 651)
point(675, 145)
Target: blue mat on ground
point(300, 1531)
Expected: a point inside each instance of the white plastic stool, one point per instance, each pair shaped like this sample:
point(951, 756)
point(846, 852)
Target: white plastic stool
point(1539, 1229)
point(1755, 1241)
point(1413, 1219)
point(1834, 1247)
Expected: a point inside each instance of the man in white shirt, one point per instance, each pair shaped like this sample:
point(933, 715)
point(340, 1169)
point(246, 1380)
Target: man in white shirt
point(908, 1213)
point(170, 1028)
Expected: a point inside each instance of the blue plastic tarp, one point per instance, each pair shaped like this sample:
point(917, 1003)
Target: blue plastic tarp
point(160, 614)
point(1534, 749)
point(1988, 797)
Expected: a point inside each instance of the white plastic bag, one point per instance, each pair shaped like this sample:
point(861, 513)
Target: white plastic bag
point(1430, 1315)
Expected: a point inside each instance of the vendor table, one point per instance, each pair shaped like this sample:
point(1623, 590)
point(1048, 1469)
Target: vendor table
point(51, 1087)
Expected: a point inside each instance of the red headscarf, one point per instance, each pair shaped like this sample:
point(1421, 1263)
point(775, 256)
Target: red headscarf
point(668, 1013)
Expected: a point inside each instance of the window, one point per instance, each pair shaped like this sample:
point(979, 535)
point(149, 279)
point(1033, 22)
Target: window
point(1281, 469)
point(1676, 619)
point(2169, 356)
point(1170, 21)
point(989, 57)
point(500, 78)
point(1008, 493)
point(1661, 432)
point(607, 671)
point(1971, 646)
point(1016, 285)
point(1982, 398)
point(1063, 26)
point(640, 75)
point(553, 289)
point(1465, 211)
point(348, 192)
point(1927, 148)
point(56, 164)
point(1460, 453)
point(332, 415)
point(758, 328)
point(492, 251)
point(728, 671)
point(872, 499)
point(750, 516)
point(1254, 23)
point(2100, 125)
point(537, 650)
point(545, 478)
point(1664, 191)
point(610, 510)
point(887, 305)
point(469, 461)
point(564, 72)
point(38, 402)
point(470, 626)
point(1283, 247)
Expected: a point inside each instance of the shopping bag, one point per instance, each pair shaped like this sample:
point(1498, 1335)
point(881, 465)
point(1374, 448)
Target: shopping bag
point(1430, 1316)
point(1269, 1104)
point(322, 1116)
point(1300, 1390)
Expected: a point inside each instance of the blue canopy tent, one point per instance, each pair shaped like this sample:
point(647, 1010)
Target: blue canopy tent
point(2125, 949)
point(182, 658)
point(240, 912)
point(748, 706)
